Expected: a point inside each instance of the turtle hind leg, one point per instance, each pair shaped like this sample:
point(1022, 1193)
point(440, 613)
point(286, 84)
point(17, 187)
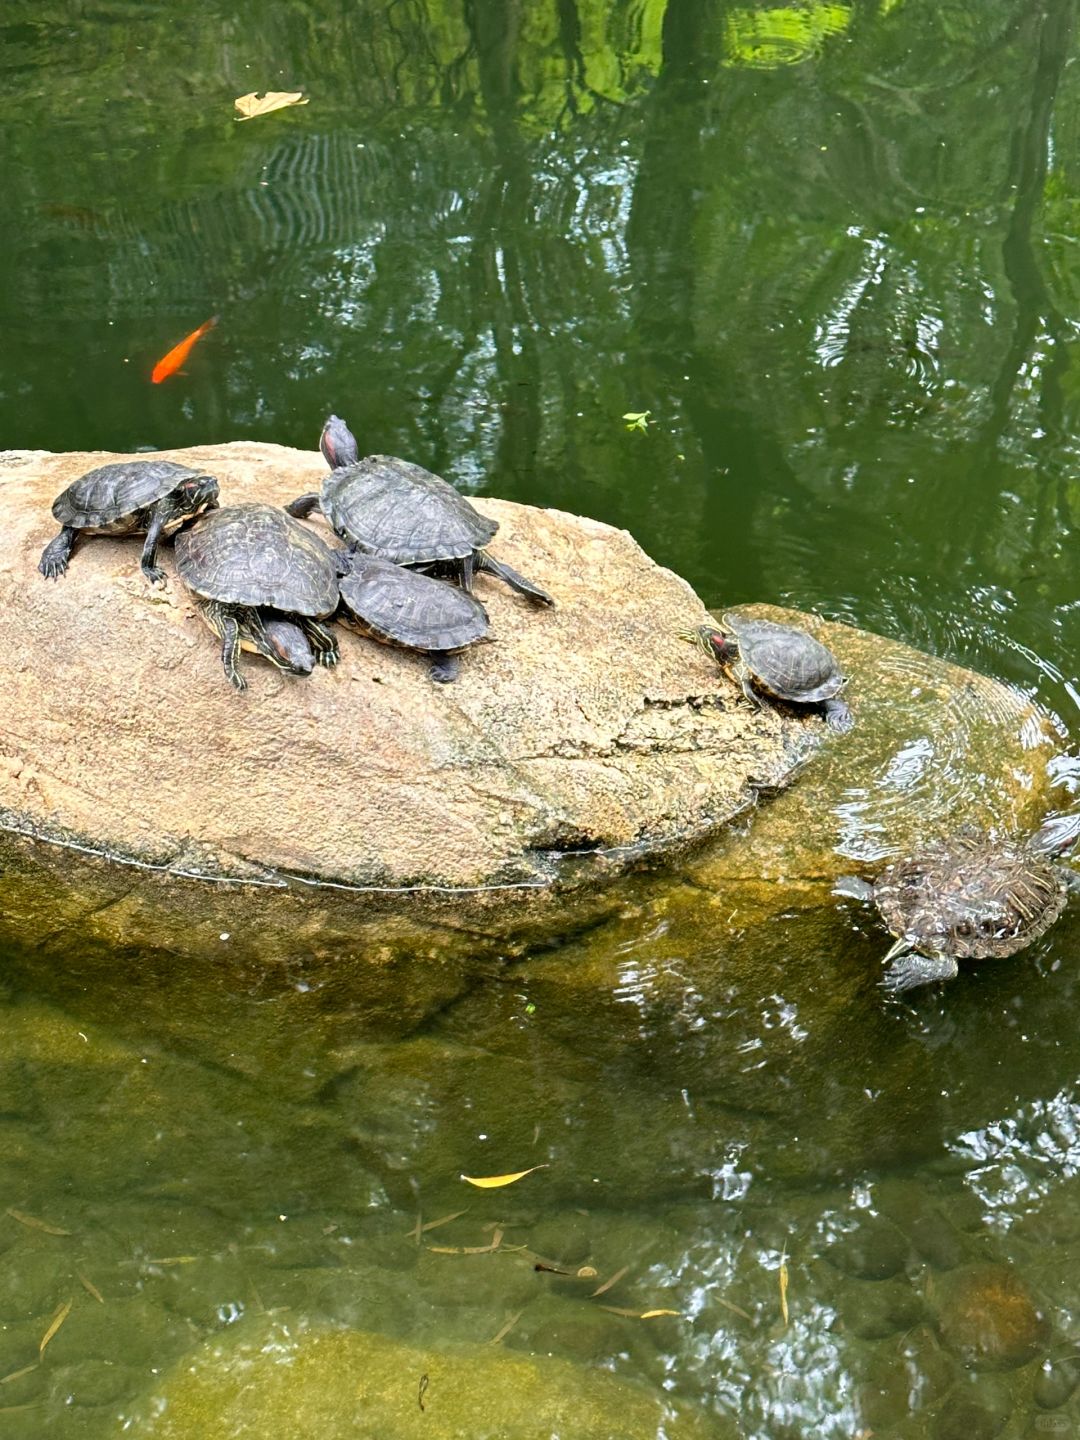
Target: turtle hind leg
point(445, 666)
point(837, 716)
point(509, 576)
point(153, 574)
point(303, 505)
point(908, 972)
point(323, 641)
point(55, 556)
point(230, 651)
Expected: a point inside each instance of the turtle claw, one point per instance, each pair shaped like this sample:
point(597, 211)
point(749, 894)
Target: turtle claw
point(154, 575)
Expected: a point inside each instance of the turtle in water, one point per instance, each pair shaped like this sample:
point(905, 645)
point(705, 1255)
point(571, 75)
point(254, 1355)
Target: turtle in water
point(402, 607)
point(780, 662)
point(155, 496)
point(968, 897)
point(262, 582)
point(399, 511)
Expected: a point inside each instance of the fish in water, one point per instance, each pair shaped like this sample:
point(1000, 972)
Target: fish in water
point(170, 363)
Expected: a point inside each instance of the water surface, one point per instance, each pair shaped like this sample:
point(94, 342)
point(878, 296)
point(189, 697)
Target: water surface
point(831, 252)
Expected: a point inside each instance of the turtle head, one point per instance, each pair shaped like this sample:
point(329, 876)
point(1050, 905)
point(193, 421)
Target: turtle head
point(338, 443)
point(198, 493)
point(286, 646)
point(714, 642)
point(1056, 835)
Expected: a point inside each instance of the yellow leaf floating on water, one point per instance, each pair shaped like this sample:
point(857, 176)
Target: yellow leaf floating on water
point(256, 104)
point(639, 1314)
point(783, 1286)
point(493, 1182)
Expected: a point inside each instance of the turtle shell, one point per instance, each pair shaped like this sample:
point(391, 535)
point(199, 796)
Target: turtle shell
point(399, 511)
point(257, 555)
point(108, 494)
point(971, 897)
point(402, 607)
point(788, 662)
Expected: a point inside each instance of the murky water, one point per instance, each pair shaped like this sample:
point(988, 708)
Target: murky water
point(831, 252)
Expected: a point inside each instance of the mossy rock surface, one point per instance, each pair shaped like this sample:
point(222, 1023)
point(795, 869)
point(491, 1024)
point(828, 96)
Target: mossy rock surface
point(279, 1378)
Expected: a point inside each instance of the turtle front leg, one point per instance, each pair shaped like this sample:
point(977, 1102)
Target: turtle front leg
point(323, 641)
point(742, 675)
point(445, 666)
point(55, 556)
point(837, 716)
point(303, 505)
point(230, 651)
point(908, 971)
point(154, 573)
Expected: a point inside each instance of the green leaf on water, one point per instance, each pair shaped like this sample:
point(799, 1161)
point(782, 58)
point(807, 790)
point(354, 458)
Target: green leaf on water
point(637, 420)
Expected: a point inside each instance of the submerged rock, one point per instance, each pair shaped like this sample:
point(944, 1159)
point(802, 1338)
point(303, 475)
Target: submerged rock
point(988, 1316)
point(278, 1377)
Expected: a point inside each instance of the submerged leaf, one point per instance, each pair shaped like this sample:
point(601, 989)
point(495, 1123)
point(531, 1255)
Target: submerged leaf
point(614, 1280)
point(256, 104)
point(493, 1182)
point(18, 1374)
point(90, 1287)
point(62, 1312)
point(502, 1334)
point(33, 1223)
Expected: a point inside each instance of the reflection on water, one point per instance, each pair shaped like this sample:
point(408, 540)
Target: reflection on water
point(831, 250)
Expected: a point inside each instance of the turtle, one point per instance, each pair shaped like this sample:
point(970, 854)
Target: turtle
point(399, 511)
point(968, 896)
point(417, 612)
point(780, 662)
point(262, 582)
point(155, 496)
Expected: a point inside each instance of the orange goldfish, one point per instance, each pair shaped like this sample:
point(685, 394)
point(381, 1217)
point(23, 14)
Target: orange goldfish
point(170, 363)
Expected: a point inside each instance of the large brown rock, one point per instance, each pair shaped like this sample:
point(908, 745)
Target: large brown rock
point(581, 728)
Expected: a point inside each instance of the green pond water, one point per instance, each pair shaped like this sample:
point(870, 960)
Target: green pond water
point(832, 251)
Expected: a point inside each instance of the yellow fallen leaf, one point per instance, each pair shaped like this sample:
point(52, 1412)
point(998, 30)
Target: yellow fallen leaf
point(783, 1286)
point(492, 1182)
point(62, 1312)
point(256, 104)
point(638, 1314)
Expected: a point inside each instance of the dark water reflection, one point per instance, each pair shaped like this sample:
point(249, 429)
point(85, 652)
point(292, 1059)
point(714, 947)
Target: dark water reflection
point(847, 290)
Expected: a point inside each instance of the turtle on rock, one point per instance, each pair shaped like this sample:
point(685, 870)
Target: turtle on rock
point(262, 582)
point(779, 662)
point(404, 608)
point(129, 498)
point(399, 511)
point(968, 896)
